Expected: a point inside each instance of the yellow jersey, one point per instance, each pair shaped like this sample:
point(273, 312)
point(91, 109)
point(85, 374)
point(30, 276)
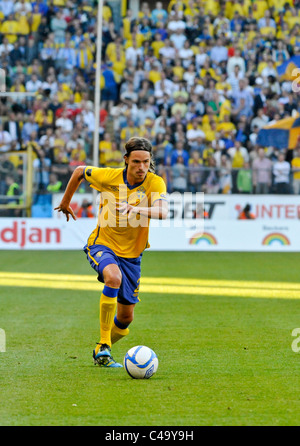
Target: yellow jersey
point(125, 237)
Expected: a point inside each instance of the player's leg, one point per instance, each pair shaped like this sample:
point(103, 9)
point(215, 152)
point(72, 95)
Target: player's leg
point(122, 320)
point(108, 301)
point(127, 298)
point(105, 263)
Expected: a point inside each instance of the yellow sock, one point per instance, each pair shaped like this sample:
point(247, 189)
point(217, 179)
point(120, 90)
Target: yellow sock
point(108, 305)
point(118, 333)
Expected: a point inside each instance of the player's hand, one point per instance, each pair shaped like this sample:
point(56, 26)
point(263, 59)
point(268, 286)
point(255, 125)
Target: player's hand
point(125, 208)
point(67, 210)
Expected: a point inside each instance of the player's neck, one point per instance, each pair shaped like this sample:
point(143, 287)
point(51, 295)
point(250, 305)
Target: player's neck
point(131, 180)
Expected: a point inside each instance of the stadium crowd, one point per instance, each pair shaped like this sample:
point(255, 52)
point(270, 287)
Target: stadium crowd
point(198, 78)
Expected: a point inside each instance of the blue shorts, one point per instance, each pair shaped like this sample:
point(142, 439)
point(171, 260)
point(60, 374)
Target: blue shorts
point(109, 94)
point(100, 256)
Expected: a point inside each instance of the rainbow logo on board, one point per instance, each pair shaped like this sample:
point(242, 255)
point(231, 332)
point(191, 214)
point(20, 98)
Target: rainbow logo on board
point(276, 237)
point(203, 237)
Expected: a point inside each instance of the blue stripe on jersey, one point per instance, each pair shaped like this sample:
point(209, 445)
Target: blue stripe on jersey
point(129, 185)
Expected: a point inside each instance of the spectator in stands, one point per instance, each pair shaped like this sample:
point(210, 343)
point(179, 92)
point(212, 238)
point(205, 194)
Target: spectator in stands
point(43, 29)
point(65, 123)
point(178, 38)
point(75, 160)
point(194, 133)
point(243, 101)
point(260, 120)
point(179, 175)
point(6, 7)
point(105, 147)
point(236, 61)
point(195, 172)
point(10, 26)
point(219, 53)
point(22, 7)
point(13, 192)
point(5, 140)
point(225, 175)
point(281, 172)
point(12, 126)
point(54, 185)
point(180, 151)
point(33, 84)
point(262, 173)
point(266, 21)
point(60, 167)
point(114, 157)
point(58, 25)
point(48, 136)
point(295, 164)
point(110, 89)
point(33, 142)
point(159, 14)
point(66, 56)
point(41, 167)
point(31, 52)
point(15, 55)
point(7, 168)
point(210, 179)
point(238, 155)
point(128, 131)
point(234, 78)
point(244, 179)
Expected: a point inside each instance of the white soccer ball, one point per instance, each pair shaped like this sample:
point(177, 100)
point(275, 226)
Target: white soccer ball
point(140, 362)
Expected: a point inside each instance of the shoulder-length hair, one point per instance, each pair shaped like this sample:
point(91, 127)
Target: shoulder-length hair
point(137, 143)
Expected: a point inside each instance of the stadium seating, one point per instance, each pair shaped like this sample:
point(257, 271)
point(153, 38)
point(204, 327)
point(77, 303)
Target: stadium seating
point(198, 78)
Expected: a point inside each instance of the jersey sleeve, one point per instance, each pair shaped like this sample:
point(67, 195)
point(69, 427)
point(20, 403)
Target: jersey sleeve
point(158, 190)
point(94, 176)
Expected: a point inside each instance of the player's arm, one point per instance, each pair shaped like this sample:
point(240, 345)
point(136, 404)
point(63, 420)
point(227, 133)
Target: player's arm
point(75, 180)
point(159, 210)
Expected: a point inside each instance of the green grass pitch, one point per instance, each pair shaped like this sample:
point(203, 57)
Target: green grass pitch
point(220, 323)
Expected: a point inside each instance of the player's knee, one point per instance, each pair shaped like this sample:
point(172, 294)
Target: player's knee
point(112, 277)
point(114, 280)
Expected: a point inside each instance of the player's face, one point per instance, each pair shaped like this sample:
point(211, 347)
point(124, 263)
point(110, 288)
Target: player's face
point(138, 164)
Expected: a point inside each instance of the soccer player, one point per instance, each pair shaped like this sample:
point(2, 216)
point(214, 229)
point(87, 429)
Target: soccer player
point(130, 197)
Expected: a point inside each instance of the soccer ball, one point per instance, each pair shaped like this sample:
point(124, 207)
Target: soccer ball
point(140, 362)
